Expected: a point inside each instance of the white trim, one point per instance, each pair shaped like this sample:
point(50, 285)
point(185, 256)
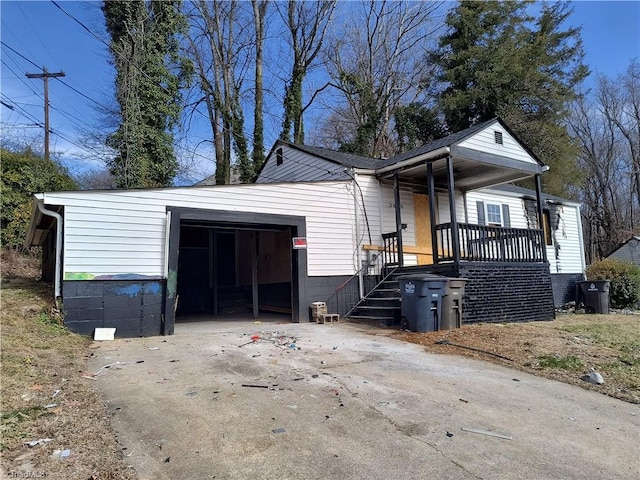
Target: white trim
point(486, 214)
point(411, 161)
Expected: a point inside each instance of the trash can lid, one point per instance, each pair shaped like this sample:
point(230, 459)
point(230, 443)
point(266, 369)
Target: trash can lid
point(424, 277)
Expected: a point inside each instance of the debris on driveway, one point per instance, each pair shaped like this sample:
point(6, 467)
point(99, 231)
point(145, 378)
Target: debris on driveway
point(281, 341)
point(487, 432)
point(109, 365)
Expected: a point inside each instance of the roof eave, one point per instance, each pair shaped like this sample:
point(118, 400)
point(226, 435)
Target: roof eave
point(440, 152)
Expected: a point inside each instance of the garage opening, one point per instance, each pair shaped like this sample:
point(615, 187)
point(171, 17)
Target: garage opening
point(227, 270)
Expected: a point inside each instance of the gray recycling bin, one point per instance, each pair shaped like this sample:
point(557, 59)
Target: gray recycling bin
point(452, 304)
point(422, 301)
point(594, 294)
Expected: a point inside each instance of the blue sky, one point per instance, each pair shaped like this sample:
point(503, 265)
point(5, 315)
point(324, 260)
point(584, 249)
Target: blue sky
point(43, 34)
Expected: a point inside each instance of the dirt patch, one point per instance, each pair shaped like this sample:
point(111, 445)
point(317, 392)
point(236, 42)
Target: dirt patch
point(44, 394)
point(563, 350)
point(15, 265)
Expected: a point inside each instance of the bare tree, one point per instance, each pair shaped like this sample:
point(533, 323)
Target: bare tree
point(376, 63)
point(219, 46)
point(607, 131)
point(603, 193)
point(620, 102)
point(259, 13)
point(307, 23)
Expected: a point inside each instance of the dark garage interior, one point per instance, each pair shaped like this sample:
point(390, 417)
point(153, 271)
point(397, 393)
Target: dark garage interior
point(219, 264)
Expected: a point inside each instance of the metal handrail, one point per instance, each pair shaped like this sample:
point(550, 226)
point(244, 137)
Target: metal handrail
point(354, 292)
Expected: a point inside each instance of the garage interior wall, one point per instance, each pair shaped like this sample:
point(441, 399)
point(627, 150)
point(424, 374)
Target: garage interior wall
point(215, 270)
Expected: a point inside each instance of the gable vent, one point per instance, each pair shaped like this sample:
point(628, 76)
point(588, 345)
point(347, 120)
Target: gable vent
point(279, 157)
point(497, 136)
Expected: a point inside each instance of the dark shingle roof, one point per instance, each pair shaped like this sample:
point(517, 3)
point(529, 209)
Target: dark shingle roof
point(346, 159)
point(441, 142)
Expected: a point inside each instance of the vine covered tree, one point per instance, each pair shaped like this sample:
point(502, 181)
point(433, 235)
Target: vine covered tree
point(498, 60)
point(307, 23)
point(149, 75)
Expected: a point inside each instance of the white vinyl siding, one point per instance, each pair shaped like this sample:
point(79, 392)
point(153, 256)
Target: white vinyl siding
point(123, 232)
point(517, 218)
point(370, 188)
point(567, 237)
point(443, 208)
point(484, 141)
point(299, 166)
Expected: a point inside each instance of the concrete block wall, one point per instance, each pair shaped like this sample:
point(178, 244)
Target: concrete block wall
point(134, 308)
point(564, 287)
point(321, 289)
point(501, 292)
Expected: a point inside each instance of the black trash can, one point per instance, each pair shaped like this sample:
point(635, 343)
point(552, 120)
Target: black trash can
point(452, 304)
point(594, 294)
point(422, 301)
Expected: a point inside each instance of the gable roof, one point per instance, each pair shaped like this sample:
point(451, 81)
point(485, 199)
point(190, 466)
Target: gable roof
point(627, 251)
point(453, 139)
point(346, 159)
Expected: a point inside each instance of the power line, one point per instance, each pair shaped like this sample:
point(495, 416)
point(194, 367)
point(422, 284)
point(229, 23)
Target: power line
point(79, 23)
point(82, 94)
point(19, 54)
point(37, 35)
point(19, 77)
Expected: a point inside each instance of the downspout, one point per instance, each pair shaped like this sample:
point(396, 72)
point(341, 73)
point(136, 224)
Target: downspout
point(56, 277)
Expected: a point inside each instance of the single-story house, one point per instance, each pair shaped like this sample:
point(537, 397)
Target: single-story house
point(628, 251)
point(316, 222)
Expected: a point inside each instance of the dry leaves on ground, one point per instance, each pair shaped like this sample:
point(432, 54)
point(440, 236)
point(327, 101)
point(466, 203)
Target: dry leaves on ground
point(44, 395)
point(563, 350)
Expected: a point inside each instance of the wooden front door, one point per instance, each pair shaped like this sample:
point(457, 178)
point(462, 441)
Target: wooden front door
point(423, 229)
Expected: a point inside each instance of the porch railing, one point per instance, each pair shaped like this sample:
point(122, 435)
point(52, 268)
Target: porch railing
point(390, 257)
point(483, 243)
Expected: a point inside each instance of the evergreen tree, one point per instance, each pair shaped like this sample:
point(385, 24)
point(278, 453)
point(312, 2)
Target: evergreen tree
point(497, 60)
point(149, 75)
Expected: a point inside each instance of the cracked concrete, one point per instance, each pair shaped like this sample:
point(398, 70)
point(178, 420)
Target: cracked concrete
point(353, 404)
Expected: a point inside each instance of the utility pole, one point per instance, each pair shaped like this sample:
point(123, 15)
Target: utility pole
point(45, 76)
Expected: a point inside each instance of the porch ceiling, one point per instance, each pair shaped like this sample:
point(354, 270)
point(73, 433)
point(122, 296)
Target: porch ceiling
point(471, 170)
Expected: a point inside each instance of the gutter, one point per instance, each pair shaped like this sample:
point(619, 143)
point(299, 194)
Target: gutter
point(440, 152)
point(56, 277)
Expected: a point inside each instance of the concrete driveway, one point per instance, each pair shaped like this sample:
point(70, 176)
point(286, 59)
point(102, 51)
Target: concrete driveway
point(347, 402)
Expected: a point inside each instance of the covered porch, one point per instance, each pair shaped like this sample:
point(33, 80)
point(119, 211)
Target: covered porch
point(506, 267)
point(455, 171)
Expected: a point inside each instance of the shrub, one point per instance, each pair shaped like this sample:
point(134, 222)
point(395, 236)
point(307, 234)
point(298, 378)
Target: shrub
point(23, 174)
point(624, 290)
